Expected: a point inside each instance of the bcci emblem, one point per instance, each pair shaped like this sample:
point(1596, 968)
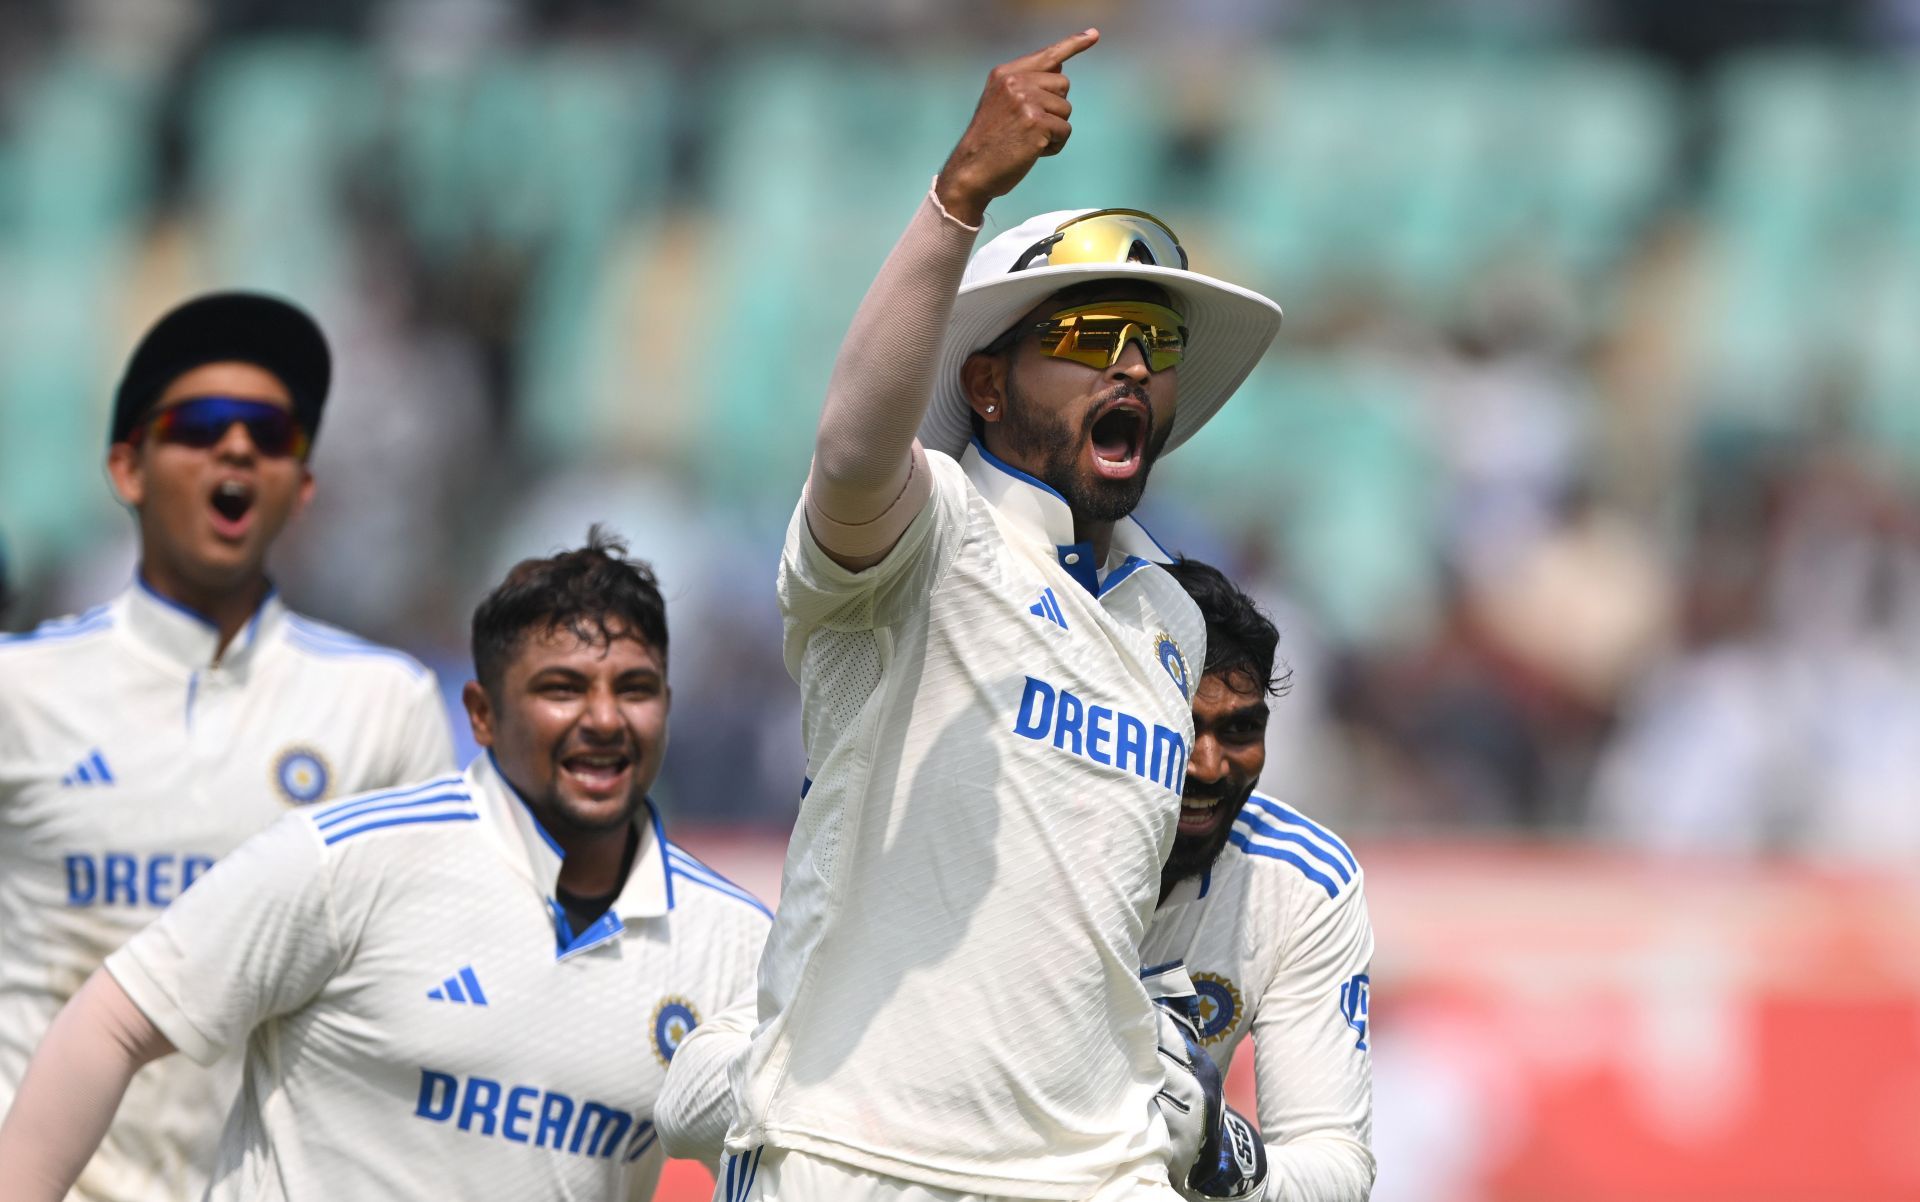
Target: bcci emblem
point(1219, 1006)
point(672, 1019)
point(1175, 663)
point(301, 775)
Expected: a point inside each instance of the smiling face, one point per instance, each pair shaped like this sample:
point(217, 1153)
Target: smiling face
point(578, 725)
point(1090, 433)
point(208, 516)
point(1229, 753)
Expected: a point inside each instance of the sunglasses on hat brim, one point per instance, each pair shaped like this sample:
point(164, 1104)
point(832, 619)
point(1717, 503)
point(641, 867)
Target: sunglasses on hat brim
point(1098, 334)
point(201, 422)
point(1106, 236)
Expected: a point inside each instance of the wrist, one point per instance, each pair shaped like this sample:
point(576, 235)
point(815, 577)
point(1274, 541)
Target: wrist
point(963, 203)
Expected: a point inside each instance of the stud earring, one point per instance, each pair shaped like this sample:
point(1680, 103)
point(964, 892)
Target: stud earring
point(991, 408)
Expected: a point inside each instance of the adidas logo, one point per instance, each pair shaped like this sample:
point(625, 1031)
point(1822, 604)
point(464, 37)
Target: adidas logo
point(1048, 607)
point(462, 987)
point(91, 771)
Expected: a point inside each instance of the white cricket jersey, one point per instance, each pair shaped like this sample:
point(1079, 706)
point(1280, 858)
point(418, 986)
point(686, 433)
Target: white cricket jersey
point(1276, 938)
point(419, 1018)
point(129, 762)
point(996, 732)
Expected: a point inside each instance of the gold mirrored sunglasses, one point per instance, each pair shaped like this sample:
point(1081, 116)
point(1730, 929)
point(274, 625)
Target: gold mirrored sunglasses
point(1106, 236)
point(1097, 334)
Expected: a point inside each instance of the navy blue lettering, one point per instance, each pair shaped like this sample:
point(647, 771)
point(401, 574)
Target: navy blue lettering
point(1130, 745)
point(83, 880)
point(478, 1101)
point(191, 868)
point(437, 1092)
point(1067, 724)
point(1036, 710)
point(1099, 732)
point(556, 1111)
point(1169, 758)
point(518, 1110)
point(123, 879)
point(603, 1119)
point(160, 879)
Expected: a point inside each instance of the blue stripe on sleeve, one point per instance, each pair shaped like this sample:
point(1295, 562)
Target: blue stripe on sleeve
point(1280, 853)
point(403, 820)
point(1294, 817)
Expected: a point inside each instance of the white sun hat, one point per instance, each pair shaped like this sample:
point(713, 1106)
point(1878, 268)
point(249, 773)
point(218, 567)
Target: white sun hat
point(1228, 327)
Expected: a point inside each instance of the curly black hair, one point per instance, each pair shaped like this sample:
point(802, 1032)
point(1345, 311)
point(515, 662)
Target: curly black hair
point(594, 591)
point(1241, 641)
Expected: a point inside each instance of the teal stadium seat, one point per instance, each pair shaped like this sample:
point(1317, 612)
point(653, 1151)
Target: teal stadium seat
point(78, 176)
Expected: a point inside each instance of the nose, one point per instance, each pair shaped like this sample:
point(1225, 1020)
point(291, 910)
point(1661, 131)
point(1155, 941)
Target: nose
point(601, 716)
point(1206, 764)
point(236, 444)
point(1132, 363)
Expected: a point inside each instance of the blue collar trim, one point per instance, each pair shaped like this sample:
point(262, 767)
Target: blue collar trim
point(1015, 472)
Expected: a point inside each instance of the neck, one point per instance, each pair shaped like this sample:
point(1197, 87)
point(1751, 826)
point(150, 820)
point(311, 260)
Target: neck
point(229, 609)
point(1100, 534)
point(593, 863)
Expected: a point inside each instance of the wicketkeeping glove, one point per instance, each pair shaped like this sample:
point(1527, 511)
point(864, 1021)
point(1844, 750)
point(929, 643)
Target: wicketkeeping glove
point(1215, 1152)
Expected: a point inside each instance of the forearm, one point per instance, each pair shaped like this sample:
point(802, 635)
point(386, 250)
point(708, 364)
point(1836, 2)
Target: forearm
point(869, 475)
point(1319, 1168)
point(695, 1107)
point(72, 1088)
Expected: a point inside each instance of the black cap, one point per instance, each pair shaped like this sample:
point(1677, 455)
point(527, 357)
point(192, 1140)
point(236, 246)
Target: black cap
point(245, 327)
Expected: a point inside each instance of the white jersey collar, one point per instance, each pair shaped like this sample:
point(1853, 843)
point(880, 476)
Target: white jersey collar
point(185, 637)
point(1035, 507)
point(648, 892)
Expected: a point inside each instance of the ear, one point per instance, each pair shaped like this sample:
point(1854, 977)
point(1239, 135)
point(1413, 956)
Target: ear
point(479, 712)
point(126, 467)
point(984, 377)
point(304, 497)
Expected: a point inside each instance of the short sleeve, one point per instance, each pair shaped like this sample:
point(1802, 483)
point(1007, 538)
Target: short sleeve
point(815, 592)
point(1314, 1068)
point(254, 938)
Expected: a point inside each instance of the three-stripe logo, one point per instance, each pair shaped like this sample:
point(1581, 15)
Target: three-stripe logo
point(462, 987)
point(92, 770)
point(1048, 607)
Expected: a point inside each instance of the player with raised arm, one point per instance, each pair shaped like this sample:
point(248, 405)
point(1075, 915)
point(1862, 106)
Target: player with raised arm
point(142, 740)
point(994, 674)
point(1267, 910)
point(467, 988)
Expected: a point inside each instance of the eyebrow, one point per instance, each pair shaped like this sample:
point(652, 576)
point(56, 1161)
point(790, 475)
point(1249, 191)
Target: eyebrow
point(1253, 709)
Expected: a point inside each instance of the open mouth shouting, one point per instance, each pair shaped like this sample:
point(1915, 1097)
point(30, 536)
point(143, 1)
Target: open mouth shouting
point(598, 774)
point(231, 503)
point(1119, 437)
point(1200, 815)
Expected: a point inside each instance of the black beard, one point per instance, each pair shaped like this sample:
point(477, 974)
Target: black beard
point(1053, 449)
point(1193, 856)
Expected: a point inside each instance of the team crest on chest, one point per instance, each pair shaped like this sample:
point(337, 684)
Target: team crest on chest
point(1168, 653)
point(301, 774)
point(1219, 1005)
point(672, 1019)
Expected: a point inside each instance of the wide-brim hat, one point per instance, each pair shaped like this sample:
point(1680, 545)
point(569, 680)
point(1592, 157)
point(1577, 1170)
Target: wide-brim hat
point(1228, 327)
point(244, 327)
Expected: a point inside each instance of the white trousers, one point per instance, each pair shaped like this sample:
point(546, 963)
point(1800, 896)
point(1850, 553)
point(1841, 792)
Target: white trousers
point(774, 1175)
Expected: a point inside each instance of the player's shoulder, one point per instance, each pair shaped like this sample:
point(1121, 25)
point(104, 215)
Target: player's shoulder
point(61, 637)
point(322, 643)
point(699, 889)
point(1280, 842)
point(394, 819)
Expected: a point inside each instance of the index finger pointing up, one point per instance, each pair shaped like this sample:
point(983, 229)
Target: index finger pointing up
point(1050, 58)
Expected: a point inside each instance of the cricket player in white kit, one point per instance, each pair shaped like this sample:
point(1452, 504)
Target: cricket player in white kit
point(1267, 909)
point(995, 682)
point(146, 738)
point(467, 988)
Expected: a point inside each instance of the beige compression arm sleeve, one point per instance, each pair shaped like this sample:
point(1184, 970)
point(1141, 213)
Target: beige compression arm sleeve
point(869, 478)
point(72, 1088)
